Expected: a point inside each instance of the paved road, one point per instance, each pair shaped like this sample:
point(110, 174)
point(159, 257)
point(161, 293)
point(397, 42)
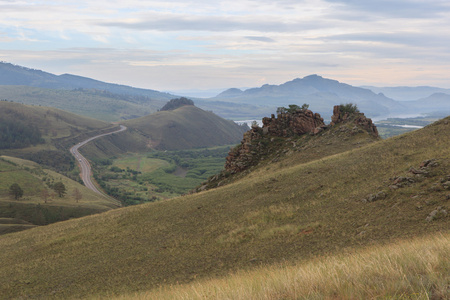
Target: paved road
point(84, 163)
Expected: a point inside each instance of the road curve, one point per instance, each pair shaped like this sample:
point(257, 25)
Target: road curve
point(85, 167)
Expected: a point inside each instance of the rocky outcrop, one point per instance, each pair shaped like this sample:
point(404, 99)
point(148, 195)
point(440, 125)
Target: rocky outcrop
point(358, 118)
point(288, 124)
point(253, 144)
point(242, 156)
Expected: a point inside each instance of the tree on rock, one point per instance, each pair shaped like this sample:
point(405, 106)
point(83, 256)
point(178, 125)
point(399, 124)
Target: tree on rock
point(60, 188)
point(16, 191)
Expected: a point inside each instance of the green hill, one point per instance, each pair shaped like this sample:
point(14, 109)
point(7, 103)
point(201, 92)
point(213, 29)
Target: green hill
point(290, 211)
point(186, 127)
point(39, 204)
point(56, 131)
point(183, 128)
point(91, 103)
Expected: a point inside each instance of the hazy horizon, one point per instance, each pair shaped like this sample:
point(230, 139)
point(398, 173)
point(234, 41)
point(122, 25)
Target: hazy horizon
point(213, 45)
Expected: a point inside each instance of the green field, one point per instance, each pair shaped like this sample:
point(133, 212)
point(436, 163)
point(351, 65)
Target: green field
point(140, 162)
point(138, 178)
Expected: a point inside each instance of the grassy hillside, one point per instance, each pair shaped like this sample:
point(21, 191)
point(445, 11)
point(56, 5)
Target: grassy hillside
point(58, 129)
point(186, 127)
point(183, 128)
point(289, 212)
point(37, 207)
point(54, 124)
point(89, 103)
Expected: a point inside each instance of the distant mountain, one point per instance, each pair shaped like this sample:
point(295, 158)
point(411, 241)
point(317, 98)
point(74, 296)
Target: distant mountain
point(438, 102)
point(405, 93)
point(320, 93)
point(16, 75)
point(104, 101)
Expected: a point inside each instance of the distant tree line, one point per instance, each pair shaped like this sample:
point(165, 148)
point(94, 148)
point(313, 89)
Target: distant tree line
point(16, 134)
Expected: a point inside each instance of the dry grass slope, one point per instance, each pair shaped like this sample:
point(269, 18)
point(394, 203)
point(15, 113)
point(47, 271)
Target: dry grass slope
point(413, 269)
point(290, 212)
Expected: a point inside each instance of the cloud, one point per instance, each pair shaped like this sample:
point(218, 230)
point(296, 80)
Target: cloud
point(222, 43)
point(210, 24)
point(260, 39)
point(397, 8)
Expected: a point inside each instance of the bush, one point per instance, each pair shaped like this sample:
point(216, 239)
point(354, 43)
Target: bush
point(16, 191)
point(349, 108)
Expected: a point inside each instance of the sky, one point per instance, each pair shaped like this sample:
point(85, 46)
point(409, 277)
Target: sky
point(218, 44)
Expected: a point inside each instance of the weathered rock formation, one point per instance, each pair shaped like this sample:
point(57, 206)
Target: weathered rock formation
point(358, 117)
point(254, 145)
point(288, 124)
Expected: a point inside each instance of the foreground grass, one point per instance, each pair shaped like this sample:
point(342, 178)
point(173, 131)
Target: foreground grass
point(295, 210)
point(415, 269)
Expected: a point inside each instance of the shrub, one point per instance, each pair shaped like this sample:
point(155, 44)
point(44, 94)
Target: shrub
point(349, 108)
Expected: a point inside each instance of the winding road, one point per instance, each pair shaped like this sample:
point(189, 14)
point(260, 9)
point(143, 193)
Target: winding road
point(84, 163)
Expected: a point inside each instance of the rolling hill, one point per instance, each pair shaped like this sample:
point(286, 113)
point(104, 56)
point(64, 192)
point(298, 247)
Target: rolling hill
point(36, 207)
point(85, 102)
point(58, 130)
point(314, 201)
point(186, 127)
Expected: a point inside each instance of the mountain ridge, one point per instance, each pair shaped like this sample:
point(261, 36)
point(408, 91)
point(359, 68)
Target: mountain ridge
point(319, 92)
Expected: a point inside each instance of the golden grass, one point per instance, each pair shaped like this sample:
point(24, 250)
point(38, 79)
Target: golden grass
point(412, 269)
point(307, 209)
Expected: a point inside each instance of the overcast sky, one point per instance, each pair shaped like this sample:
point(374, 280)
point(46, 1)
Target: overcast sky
point(204, 44)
